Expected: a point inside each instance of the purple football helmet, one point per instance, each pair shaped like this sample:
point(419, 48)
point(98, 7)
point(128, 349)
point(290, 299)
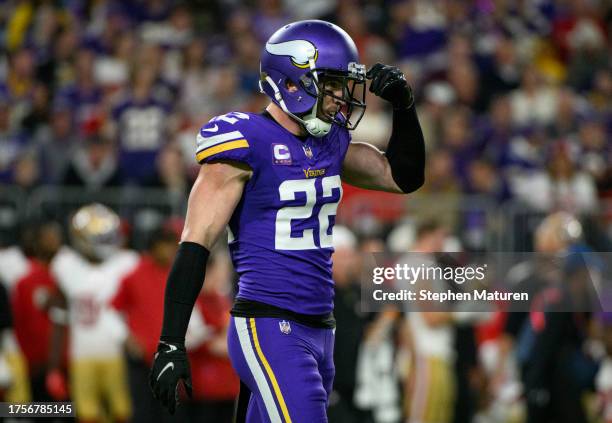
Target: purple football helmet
point(304, 61)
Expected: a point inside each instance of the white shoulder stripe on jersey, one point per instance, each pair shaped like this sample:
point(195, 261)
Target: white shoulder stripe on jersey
point(206, 142)
point(256, 371)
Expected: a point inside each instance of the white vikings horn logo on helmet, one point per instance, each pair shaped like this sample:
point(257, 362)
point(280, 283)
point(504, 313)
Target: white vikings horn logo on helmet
point(300, 51)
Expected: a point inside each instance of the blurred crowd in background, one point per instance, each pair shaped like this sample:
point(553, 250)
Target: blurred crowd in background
point(515, 100)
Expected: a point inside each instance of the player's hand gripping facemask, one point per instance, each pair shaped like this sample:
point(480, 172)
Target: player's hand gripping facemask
point(389, 83)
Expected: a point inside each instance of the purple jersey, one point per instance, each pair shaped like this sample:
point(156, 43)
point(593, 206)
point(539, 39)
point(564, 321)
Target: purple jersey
point(142, 130)
point(281, 231)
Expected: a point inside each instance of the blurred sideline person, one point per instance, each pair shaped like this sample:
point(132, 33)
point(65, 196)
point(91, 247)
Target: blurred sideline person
point(139, 298)
point(215, 383)
point(88, 276)
point(14, 386)
point(35, 308)
point(534, 275)
point(350, 330)
point(14, 265)
point(551, 338)
point(538, 274)
point(377, 383)
point(6, 323)
point(502, 400)
point(377, 390)
point(603, 381)
point(430, 384)
point(14, 383)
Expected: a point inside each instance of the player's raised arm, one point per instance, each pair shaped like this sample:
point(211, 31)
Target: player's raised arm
point(401, 169)
point(212, 201)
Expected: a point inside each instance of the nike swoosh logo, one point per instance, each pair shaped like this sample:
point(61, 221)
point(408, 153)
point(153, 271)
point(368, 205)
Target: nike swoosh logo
point(213, 129)
point(166, 367)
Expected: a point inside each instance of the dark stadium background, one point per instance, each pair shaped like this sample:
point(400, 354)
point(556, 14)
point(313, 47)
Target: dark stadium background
point(100, 101)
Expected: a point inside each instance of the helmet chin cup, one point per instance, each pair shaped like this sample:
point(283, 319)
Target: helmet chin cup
point(317, 127)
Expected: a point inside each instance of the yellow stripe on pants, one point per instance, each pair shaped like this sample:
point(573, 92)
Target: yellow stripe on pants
point(277, 391)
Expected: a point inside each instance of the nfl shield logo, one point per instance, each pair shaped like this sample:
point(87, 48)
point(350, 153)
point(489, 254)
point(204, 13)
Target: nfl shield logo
point(285, 327)
point(307, 151)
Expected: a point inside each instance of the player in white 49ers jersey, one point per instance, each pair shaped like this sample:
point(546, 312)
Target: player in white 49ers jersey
point(88, 276)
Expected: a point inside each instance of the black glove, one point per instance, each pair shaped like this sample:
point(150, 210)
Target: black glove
point(169, 366)
point(389, 83)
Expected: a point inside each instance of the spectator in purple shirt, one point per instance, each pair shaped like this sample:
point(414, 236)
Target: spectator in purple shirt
point(457, 136)
point(84, 96)
point(140, 123)
point(57, 143)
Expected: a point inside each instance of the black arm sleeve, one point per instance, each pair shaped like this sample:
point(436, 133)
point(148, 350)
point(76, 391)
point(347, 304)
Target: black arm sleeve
point(184, 284)
point(406, 150)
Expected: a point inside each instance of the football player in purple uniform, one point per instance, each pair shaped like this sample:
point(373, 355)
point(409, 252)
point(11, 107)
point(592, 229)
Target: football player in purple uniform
point(274, 179)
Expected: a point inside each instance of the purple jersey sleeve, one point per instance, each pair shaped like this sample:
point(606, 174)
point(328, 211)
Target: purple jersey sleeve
point(225, 137)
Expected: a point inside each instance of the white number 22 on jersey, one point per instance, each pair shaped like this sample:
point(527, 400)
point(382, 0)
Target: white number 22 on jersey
point(287, 191)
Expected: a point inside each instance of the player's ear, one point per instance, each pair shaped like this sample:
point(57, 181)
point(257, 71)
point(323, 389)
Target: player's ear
point(291, 86)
